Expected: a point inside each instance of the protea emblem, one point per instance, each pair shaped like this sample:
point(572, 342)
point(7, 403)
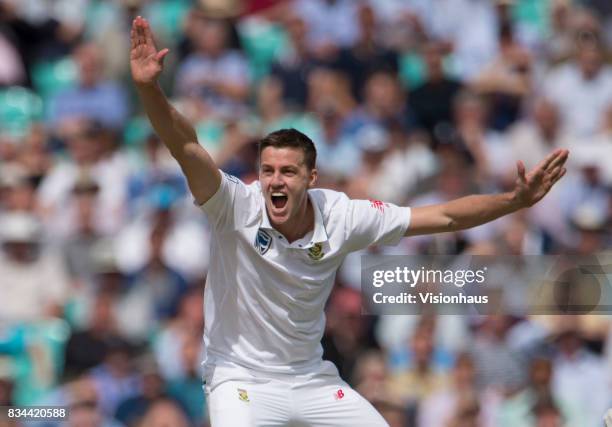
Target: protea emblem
point(316, 252)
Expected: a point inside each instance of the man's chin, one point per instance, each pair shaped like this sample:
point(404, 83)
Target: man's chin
point(278, 216)
point(276, 219)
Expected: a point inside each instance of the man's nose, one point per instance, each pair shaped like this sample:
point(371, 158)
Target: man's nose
point(277, 180)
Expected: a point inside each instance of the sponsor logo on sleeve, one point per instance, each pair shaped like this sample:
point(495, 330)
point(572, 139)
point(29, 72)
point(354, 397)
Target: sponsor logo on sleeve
point(378, 205)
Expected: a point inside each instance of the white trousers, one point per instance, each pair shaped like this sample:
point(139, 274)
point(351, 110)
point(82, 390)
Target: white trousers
point(319, 400)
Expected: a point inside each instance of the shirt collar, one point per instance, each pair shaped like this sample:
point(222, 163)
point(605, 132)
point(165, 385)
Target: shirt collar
point(318, 236)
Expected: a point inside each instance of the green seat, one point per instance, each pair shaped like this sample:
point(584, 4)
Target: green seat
point(263, 43)
point(49, 77)
point(533, 14)
point(136, 130)
point(167, 18)
point(19, 107)
point(412, 69)
point(45, 341)
point(210, 134)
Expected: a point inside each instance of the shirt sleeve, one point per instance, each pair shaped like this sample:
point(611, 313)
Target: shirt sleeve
point(229, 204)
point(372, 222)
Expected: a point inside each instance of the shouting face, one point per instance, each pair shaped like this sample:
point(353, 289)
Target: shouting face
point(285, 179)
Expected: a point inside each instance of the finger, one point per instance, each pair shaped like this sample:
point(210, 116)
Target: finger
point(134, 35)
point(552, 156)
point(136, 30)
point(559, 160)
point(148, 34)
point(159, 56)
point(553, 180)
point(140, 31)
point(559, 175)
point(520, 169)
point(550, 174)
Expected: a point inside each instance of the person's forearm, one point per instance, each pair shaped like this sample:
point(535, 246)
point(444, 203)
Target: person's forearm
point(471, 211)
point(172, 127)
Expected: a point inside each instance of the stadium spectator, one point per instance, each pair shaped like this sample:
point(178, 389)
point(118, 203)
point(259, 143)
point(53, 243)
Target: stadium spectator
point(582, 88)
point(597, 149)
point(331, 24)
point(213, 72)
point(367, 54)
point(374, 144)
point(17, 191)
point(469, 28)
point(89, 161)
point(165, 412)
point(132, 410)
point(34, 283)
point(155, 290)
point(93, 98)
point(11, 70)
point(186, 389)
point(295, 64)
point(442, 407)
point(423, 377)
point(506, 80)
point(538, 133)
point(383, 102)
point(115, 378)
point(346, 335)
point(575, 378)
point(492, 346)
point(171, 340)
point(87, 348)
point(370, 376)
point(331, 101)
point(410, 163)
point(431, 102)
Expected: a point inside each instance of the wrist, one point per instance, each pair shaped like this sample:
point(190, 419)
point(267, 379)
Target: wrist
point(516, 201)
point(146, 86)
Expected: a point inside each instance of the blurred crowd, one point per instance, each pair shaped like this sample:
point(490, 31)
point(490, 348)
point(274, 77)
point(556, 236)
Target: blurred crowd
point(103, 256)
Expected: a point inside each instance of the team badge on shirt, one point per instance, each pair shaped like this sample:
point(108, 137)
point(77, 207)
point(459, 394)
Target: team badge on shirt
point(263, 241)
point(316, 252)
point(243, 395)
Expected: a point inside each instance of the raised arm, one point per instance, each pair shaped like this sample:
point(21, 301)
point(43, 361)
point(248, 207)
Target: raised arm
point(174, 130)
point(471, 211)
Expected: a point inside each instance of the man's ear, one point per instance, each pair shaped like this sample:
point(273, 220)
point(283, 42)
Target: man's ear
point(314, 174)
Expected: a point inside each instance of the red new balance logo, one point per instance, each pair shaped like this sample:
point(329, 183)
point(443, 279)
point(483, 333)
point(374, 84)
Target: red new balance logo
point(377, 204)
point(339, 394)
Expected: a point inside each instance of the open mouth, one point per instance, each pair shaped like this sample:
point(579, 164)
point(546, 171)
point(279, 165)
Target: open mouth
point(279, 200)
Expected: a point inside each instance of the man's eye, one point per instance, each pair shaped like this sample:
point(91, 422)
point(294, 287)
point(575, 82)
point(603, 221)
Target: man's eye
point(290, 173)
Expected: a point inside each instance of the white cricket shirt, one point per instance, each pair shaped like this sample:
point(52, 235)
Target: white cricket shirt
point(264, 298)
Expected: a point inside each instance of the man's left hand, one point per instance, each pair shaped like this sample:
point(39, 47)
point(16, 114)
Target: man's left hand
point(531, 187)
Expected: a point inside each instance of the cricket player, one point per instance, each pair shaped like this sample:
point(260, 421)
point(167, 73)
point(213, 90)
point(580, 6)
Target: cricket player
point(276, 246)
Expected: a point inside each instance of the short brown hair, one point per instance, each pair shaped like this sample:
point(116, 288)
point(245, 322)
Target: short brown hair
point(294, 139)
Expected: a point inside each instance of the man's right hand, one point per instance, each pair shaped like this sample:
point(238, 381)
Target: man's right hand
point(177, 133)
point(146, 62)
